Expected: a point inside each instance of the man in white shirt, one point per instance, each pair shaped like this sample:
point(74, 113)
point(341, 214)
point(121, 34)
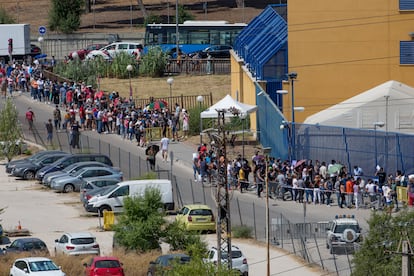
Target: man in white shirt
point(164, 148)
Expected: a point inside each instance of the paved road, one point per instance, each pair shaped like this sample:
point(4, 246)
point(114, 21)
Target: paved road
point(246, 208)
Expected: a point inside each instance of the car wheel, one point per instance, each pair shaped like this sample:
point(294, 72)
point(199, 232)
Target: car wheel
point(29, 175)
point(68, 188)
point(102, 209)
point(349, 235)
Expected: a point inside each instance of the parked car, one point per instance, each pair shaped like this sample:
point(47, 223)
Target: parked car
point(81, 53)
point(216, 51)
point(343, 235)
point(28, 170)
point(197, 217)
point(35, 266)
point(72, 182)
point(69, 160)
point(108, 266)
point(110, 51)
point(70, 170)
point(33, 245)
point(32, 158)
point(80, 243)
point(35, 50)
point(92, 186)
point(239, 261)
point(166, 262)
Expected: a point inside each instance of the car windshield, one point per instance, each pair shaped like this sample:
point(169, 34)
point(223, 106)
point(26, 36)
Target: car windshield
point(234, 254)
point(78, 172)
point(42, 266)
point(82, 240)
point(112, 188)
point(340, 228)
point(107, 264)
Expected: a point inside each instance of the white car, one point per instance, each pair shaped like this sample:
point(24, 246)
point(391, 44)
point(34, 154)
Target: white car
point(35, 266)
point(81, 243)
point(239, 261)
point(110, 51)
point(343, 234)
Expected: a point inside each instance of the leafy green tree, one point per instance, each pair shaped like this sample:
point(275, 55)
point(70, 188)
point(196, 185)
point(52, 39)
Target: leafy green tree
point(180, 239)
point(377, 254)
point(5, 18)
point(183, 14)
point(140, 226)
point(65, 15)
point(10, 132)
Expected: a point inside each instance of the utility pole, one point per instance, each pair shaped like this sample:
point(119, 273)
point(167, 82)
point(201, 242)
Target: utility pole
point(223, 223)
point(405, 250)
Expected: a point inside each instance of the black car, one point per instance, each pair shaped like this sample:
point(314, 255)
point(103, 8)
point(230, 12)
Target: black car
point(27, 170)
point(216, 51)
point(31, 158)
point(166, 263)
point(33, 245)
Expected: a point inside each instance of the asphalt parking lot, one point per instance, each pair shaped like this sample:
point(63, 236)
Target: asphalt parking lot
point(47, 214)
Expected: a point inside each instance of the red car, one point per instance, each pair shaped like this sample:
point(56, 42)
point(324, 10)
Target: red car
point(83, 52)
point(104, 266)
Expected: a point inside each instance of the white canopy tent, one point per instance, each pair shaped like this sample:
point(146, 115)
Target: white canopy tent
point(226, 103)
point(391, 102)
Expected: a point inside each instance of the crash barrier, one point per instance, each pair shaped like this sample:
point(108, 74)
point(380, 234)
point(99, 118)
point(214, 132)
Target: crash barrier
point(109, 220)
point(185, 101)
point(155, 133)
point(282, 229)
point(402, 194)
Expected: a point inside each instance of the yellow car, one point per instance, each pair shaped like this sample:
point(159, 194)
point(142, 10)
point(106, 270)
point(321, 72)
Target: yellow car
point(197, 217)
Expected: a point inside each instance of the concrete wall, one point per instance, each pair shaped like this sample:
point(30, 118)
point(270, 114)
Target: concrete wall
point(342, 48)
point(61, 45)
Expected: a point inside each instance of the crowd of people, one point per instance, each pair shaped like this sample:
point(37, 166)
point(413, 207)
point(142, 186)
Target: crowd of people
point(80, 107)
point(304, 181)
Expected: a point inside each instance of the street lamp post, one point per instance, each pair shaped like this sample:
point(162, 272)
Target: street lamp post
point(170, 82)
point(376, 125)
point(266, 151)
point(75, 57)
point(292, 77)
point(129, 69)
point(243, 118)
point(200, 100)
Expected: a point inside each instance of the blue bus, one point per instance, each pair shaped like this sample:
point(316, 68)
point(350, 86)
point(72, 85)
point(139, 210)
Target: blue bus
point(194, 36)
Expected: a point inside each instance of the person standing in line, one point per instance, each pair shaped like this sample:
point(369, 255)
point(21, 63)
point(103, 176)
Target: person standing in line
point(74, 135)
point(164, 148)
point(261, 174)
point(186, 122)
point(30, 117)
point(49, 129)
point(57, 117)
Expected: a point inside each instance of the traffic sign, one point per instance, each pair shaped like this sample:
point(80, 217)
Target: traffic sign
point(42, 30)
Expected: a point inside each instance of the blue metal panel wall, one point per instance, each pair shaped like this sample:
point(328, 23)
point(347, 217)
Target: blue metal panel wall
point(365, 148)
point(269, 119)
point(406, 4)
point(407, 52)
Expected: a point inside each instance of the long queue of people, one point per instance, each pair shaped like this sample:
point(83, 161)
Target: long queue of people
point(305, 181)
point(77, 104)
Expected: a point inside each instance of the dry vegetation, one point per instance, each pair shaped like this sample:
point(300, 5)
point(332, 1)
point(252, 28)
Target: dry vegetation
point(134, 264)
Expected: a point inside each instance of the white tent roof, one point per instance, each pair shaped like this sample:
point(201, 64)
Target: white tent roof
point(391, 101)
point(226, 103)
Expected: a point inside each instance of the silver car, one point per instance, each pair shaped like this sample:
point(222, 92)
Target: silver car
point(80, 243)
point(73, 182)
point(47, 179)
point(92, 184)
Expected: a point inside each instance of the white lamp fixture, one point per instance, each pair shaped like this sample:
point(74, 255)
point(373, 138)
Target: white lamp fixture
point(129, 68)
point(40, 39)
point(282, 92)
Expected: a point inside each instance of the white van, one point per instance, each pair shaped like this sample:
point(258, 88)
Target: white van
point(113, 198)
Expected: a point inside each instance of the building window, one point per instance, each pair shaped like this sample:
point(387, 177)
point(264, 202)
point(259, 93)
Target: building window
point(407, 52)
point(406, 4)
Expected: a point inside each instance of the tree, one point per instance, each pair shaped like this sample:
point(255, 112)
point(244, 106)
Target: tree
point(378, 254)
point(142, 8)
point(5, 18)
point(140, 226)
point(10, 133)
point(65, 15)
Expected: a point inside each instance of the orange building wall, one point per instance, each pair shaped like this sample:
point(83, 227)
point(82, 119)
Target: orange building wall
point(342, 48)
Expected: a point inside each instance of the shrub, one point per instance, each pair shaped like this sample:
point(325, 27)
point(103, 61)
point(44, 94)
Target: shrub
point(242, 231)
